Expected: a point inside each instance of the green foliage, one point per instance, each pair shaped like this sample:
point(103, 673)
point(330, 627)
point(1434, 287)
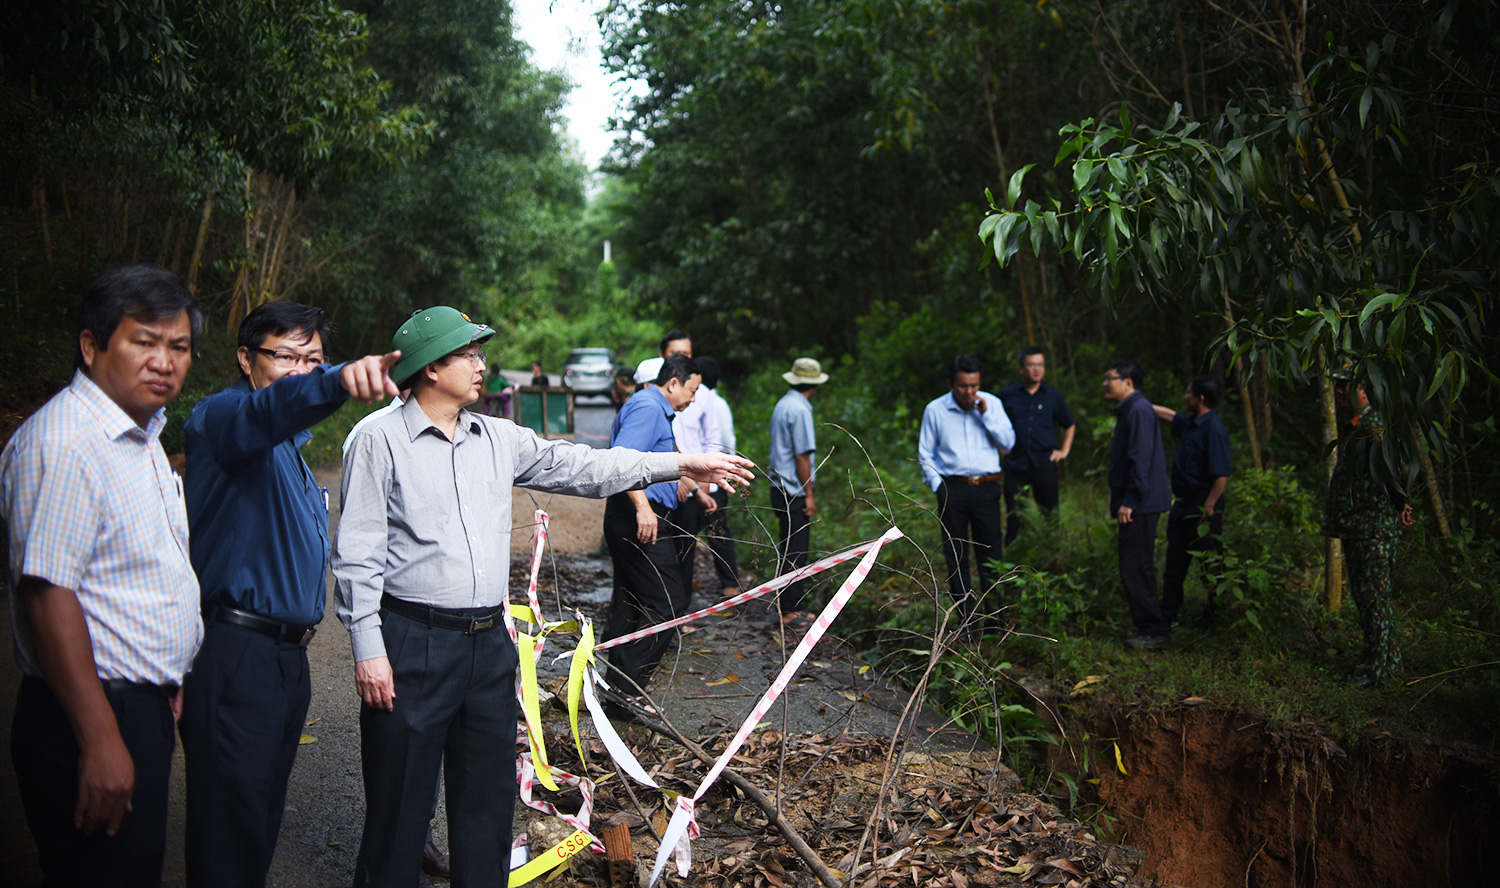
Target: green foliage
point(1308, 268)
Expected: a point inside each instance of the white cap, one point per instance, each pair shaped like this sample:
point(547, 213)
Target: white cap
point(648, 370)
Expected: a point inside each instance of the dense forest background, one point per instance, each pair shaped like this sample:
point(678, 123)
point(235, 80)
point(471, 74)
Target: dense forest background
point(1253, 188)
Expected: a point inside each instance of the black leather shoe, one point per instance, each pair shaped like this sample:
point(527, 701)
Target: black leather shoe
point(434, 862)
point(1150, 642)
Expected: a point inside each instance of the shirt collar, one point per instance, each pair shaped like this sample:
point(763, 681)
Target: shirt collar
point(665, 405)
point(1121, 407)
point(417, 421)
point(112, 418)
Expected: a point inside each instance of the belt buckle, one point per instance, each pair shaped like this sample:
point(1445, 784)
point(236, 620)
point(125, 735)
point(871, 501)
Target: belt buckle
point(477, 625)
point(307, 636)
point(973, 480)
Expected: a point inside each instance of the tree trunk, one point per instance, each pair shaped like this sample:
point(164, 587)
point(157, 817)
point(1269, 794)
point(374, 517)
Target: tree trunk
point(1249, 410)
point(198, 245)
point(39, 200)
point(1333, 555)
point(1434, 495)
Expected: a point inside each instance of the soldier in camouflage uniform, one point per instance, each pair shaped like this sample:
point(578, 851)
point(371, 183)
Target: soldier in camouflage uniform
point(1367, 516)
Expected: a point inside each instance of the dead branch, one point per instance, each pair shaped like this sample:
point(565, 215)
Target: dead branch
point(793, 838)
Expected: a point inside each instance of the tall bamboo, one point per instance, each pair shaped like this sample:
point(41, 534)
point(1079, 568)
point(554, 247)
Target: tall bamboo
point(1333, 554)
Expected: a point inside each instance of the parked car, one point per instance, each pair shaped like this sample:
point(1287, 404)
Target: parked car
point(590, 370)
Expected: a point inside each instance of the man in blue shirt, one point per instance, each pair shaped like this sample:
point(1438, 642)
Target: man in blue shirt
point(793, 471)
point(1137, 497)
point(1200, 472)
point(1036, 410)
point(259, 524)
point(963, 434)
point(641, 539)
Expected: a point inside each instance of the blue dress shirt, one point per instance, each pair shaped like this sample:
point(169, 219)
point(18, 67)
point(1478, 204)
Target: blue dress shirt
point(1202, 451)
point(1036, 417)
point(645, 424)
point(257, 516)
point(962, 442)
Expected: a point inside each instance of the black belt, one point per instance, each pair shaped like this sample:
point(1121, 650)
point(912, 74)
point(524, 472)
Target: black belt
point(972, 480)
point(298, 635)
point(460, 620)
point(166, 690)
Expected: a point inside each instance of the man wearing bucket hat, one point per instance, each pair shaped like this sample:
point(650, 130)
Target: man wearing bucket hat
point(792, 472)
point(422, 561)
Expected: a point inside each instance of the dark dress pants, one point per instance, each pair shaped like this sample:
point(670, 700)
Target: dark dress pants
point(244, 705)
point(1137, 551)
point(795, 540)
point(1043, 480)
point(1188, 532)
point(44, 751)
point(726, 564)
point(688, 520)
point(964, 509)
point(648, 590)
point(455, 708)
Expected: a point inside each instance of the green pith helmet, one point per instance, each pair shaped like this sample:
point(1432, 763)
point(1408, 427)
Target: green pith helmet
point(1343, 367)
point(428, 335)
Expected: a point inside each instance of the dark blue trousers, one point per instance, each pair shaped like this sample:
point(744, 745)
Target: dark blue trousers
point(45, 751)
point(1137, 551)
point(793, 542)
point(648, 590)
point(455, 709)
point(243, 708)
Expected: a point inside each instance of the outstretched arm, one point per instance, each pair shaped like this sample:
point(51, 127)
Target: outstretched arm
point(716, 468)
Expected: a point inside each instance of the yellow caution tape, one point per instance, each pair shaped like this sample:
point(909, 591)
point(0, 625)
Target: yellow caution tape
point(583, 655)
point(531, 706)
point(555, 856)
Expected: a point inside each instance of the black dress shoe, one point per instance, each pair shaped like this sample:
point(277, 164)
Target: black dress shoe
point(1150, 642)
point(434, 862)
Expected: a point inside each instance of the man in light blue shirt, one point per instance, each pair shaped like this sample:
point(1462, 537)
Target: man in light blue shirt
point(963, 435)
point(793, 471)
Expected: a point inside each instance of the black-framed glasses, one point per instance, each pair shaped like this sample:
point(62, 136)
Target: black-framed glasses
point(1108, 378)
point(476, 358)
point(290, 360)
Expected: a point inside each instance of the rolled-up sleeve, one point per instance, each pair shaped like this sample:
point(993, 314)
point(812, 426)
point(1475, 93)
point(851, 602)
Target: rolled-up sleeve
point(359, 560)
point(997, 423)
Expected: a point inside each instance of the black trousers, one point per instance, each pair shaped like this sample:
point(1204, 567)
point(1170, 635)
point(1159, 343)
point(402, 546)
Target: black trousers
point(721, 543)
point(1043, 481)
point(966, 509)
point(1137, 551)
point(44, 751)
point(243, 708)
point(648, 590)
point(688, 520)
point(1188, 532)
point(795, 540)
point(455, 709)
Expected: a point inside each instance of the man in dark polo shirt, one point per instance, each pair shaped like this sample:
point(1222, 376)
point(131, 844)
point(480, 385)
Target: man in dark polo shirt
point(1036, 411)
point(1200, 472)
point(259, 523)
point(1138, 494)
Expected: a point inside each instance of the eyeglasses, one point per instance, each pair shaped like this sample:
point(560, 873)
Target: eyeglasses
point(474, 357)
point(1108, 379)
point(289, 360)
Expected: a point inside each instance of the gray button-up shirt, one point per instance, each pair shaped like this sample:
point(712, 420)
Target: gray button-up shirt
point(429, 521)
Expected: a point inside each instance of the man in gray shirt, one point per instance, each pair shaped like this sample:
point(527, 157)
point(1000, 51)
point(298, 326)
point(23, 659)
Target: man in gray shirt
point(793, 471)
point(422, 563)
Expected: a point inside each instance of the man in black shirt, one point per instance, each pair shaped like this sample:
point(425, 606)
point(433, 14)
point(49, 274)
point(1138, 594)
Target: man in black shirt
point(1200, 472)
point(1036, 410)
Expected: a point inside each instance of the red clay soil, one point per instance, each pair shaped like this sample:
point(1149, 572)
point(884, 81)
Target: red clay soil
point(1215, 798)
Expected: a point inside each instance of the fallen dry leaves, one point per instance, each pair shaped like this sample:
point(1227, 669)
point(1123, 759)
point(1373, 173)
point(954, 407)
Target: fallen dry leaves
point(954, 820)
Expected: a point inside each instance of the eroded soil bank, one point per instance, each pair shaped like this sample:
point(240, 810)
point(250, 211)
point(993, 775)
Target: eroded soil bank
point(1217, 798)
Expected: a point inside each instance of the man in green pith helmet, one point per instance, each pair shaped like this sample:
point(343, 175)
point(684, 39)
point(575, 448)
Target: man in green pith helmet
point(1367, 515)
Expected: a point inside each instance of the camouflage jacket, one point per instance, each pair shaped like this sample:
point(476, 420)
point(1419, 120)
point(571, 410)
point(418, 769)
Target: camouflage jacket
point(1357, 505)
